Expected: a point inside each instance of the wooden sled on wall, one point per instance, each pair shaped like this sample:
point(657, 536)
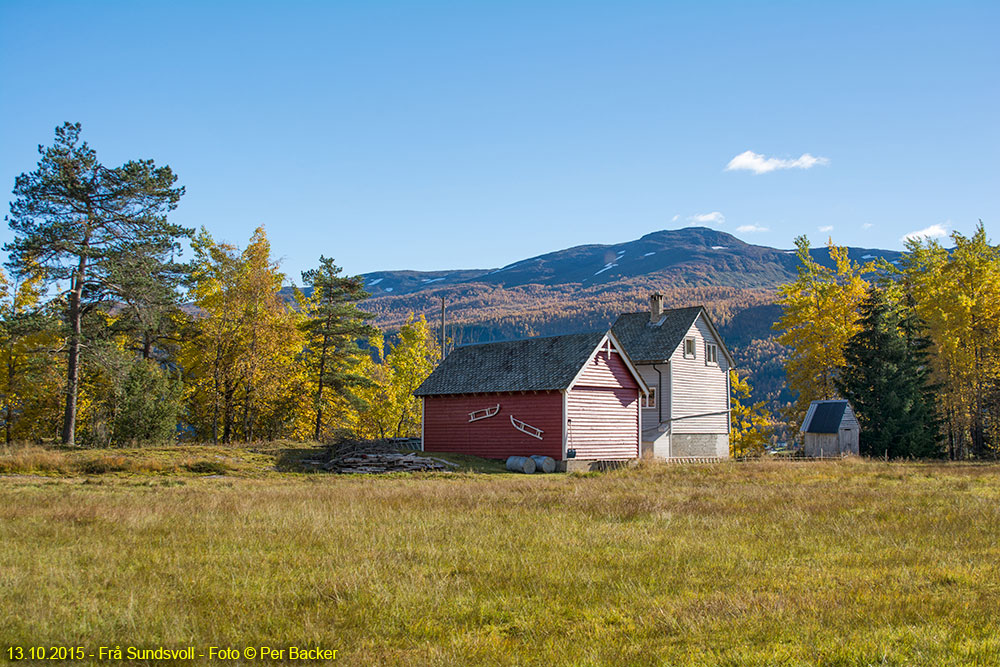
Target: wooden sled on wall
point(485, 413)
point(533, 431)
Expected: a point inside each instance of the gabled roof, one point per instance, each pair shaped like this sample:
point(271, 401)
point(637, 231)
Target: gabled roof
point(533, 364)
point(824, 417)
point(647, 342)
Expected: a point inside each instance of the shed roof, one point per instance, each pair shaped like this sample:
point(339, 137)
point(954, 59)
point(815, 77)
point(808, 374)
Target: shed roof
point(826, 417)
point(534, 364)
point(648, 342)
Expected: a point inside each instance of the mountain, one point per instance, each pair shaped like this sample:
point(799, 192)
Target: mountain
point(695, 256)
point(585, 288)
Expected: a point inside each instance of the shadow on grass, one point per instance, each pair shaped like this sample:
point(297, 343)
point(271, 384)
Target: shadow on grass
point(293, 459)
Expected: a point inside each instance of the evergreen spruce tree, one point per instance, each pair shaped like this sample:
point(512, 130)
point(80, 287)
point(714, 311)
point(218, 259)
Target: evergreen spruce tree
point(885, 379)
point(334, 326)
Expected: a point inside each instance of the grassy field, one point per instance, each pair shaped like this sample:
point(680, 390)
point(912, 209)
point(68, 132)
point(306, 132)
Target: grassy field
point(832, 563)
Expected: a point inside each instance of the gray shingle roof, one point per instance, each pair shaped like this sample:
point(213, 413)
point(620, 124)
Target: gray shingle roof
point(826, 417)
point(534, 364)
point(644, 343)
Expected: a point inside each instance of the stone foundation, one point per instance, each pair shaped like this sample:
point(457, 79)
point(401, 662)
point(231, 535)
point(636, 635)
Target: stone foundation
point(699, 444)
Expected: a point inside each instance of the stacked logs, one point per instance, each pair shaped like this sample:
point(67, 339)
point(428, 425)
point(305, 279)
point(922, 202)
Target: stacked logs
point(376, 456)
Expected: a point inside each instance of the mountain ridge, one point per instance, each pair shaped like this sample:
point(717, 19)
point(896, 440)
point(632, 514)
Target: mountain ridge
point(692, 255)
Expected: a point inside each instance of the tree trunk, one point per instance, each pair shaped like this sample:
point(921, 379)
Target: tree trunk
point(9, 407)
point(73, 354)
point(319, 390)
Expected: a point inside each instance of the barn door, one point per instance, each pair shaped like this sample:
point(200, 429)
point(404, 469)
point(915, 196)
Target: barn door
point(847, 443)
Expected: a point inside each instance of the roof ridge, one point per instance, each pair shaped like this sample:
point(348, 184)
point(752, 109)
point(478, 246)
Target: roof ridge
point(536, 338)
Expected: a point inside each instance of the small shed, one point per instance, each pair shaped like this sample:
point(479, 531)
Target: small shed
point(574, 396)
point(830, 429)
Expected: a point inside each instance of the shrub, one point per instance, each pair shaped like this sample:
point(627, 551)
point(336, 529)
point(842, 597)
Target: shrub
point(207, 467)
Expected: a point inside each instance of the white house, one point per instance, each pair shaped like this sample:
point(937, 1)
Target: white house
point(685, 363)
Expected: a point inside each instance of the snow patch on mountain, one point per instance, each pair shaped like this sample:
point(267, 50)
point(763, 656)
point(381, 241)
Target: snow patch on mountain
point(606, 267)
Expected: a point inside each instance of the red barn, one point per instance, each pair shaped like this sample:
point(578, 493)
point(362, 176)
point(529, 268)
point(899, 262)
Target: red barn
point(574, 396)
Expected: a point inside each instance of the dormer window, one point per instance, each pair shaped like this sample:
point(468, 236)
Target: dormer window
point(689, 348)
point(711, 354)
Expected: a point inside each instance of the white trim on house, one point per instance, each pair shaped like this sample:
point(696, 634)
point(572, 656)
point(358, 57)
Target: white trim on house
point(565, 420)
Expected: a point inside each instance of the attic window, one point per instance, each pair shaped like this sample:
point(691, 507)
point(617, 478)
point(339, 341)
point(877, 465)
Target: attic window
point(649, 400)
point(689, 348)
point(711, 354)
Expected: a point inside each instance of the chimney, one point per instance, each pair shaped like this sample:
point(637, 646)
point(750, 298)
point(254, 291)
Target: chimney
point(655, 307)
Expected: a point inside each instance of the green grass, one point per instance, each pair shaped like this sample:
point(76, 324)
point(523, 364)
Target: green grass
point(832, 563)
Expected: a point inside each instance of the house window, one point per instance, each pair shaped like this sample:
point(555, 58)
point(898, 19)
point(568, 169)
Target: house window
point(689, 348)
point(649, 400)
point(712, 354)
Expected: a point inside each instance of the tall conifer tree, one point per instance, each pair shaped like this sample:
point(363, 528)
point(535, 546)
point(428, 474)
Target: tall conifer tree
point(77, 221)
point(885, 378)
point(334, 326)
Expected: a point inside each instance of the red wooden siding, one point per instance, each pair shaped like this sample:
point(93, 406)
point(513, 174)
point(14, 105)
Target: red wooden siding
point(603, 409)
point(447, 427)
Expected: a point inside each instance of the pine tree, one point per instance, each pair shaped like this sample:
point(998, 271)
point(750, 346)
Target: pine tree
point(333, 327)
point(78, 220)
point(885, 379)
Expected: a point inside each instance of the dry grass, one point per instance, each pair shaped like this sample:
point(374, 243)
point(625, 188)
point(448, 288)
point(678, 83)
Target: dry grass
point(847, 563)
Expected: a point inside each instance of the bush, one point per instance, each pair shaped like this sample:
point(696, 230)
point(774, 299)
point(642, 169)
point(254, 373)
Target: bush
point(149, 406)
point(207, 467)
point(104, 464)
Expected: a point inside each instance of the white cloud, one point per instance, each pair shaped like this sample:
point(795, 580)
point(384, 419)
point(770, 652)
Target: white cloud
point(760, 164)
point(932, 232)
point(676, 218)
point(751, 228)
point(825, 228)
point(713, 217)
point(867, 225)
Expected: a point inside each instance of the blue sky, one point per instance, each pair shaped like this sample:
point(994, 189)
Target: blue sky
point(432, 135)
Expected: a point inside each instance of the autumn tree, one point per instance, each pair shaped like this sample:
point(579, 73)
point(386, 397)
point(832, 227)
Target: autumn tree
point(78, 221)
point(391, 410)
point(752, 425)
point(957, 295)
point(819, 315)
point(333, 327)
point(244, 380)
point(27, 335)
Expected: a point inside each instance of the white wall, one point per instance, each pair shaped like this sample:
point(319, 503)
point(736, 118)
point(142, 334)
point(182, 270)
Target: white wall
point(698, 387)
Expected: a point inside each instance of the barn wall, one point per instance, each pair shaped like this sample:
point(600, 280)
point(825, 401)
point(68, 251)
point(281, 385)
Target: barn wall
point(603, 411)
point(821, 444)
point(447, 427)
point(698, 387)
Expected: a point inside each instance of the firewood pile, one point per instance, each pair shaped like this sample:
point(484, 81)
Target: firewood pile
point(376, 456)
